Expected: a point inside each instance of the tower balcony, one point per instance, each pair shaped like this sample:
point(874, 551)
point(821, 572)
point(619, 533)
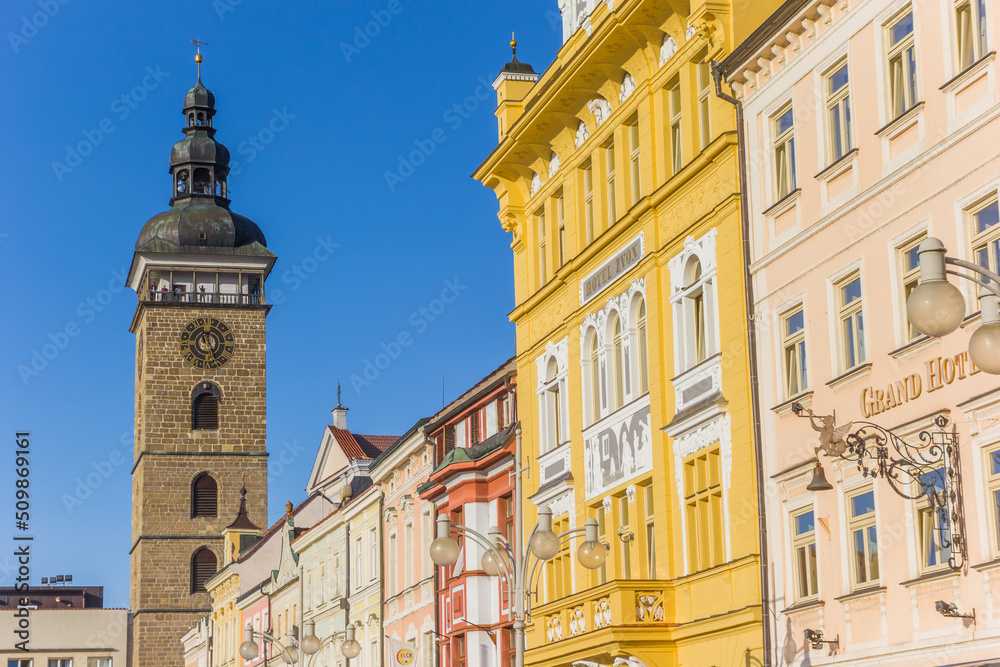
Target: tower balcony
point(202, 287)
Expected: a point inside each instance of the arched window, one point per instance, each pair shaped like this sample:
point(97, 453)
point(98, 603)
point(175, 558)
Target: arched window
point(553, 398)
point(619, 360)
point(641, 346)
point(204, 496)
point(201, 119)
point(202, 182)
point(182, 181)
point(191, 119)
point(203, 566)
point(695, 299)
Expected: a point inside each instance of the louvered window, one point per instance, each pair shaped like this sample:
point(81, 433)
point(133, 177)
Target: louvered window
point(205, 411)
point(449, 438)
point(203, 566)
point(474, 428)
point(204, 496)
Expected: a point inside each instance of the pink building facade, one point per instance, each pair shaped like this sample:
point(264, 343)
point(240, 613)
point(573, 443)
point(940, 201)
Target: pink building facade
point(869, 126)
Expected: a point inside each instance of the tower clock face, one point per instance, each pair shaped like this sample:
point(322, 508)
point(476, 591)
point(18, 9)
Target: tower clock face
point(207, 342)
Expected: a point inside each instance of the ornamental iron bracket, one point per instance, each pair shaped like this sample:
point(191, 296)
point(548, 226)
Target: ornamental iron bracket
point(930, 469)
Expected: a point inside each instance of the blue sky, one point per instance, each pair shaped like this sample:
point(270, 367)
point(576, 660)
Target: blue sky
point(315, 116)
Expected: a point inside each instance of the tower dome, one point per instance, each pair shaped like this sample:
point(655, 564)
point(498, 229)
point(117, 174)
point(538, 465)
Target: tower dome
point(199, 218)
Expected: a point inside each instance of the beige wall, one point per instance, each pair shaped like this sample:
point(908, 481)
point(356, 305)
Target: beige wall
point(69, 633)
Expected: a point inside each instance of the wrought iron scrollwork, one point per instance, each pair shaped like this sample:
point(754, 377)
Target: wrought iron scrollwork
point(929, 469)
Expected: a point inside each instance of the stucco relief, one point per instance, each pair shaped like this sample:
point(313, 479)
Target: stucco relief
point(618, 449)
point(554, 164)
point(536, 183)
point(562, 504)
point(691, 207)
point(628, 87)
point(582, 134)
point(601, 109)
point(667, 49)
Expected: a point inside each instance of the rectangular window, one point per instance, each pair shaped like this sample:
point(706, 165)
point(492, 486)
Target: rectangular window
point(993, 497)
point(561, 218)
point(910, 273)
point(542, 273)
point(704, 100)
point(602, 537)
point(986, 234)
point(933, 523)
point(794, 330)
point(624, 529)
point(838, 109)
point(373, 550)
point(460, 650)
point(970, 28)
point(703, 499)
point(784, 153)
point(863, 538)
point(609, 169)
point(60, 662)
point(19, 663)
point(852, 323)
point(322, 583)
point(336, 575)
point(902, 64)
point(804, 547)
point(408, 550)
point(359, 562)
point(647, 493)
point(588, 200)
point(676, 137)
point(99, 662)
point(633, 145)
point(390, 565)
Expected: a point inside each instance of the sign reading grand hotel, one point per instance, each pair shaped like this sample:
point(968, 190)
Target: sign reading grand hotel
point(611, 270)
point(940, 371)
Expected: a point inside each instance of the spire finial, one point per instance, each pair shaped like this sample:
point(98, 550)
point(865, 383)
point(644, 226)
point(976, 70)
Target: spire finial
point(197, 57)
point(338, 395)
point(513, 45)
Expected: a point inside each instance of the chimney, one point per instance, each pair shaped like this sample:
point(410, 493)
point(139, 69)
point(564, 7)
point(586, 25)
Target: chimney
point(339, 413)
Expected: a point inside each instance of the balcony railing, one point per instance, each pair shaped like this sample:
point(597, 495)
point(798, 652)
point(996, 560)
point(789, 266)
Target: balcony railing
point(203, 298)
point(617, 603)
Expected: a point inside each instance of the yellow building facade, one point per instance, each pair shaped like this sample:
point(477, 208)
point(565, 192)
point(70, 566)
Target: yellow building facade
point(617, 174)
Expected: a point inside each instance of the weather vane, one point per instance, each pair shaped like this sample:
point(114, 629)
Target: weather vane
point(197, 58)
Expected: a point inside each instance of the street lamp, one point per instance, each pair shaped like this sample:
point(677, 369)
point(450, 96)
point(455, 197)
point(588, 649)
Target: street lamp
point(936, 307)
point(503, 559)
point(309, 643)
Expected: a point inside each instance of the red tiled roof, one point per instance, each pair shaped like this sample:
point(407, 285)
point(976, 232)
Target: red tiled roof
point(357, 446)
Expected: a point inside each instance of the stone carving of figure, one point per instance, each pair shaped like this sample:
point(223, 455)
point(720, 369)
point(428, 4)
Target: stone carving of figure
point(582, 133)
point(601, 109)
point(668, 48)
point(553, 164)
point(628, 86)
point(627, 458)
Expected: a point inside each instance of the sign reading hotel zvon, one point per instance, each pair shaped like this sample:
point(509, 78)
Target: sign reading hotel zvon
point(611, 270)
point(939, 372)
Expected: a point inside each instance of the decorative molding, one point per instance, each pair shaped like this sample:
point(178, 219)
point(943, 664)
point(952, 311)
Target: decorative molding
point(703, 248)
point(553, 350)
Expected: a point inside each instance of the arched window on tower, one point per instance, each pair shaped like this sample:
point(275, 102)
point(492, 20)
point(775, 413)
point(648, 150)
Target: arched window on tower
point(204, 496)
point(202, 182)
point(203, 566)
point(182, 182)
point(205, 401)
point(201, 118)
point(191, 119)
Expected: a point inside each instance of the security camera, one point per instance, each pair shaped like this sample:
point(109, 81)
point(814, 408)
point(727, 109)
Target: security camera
point(945, 608)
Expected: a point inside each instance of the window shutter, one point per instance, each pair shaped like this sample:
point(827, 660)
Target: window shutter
point(449, 438)
point(474, 428)
point(203, 566)
point(204, 500)
point(205, 412)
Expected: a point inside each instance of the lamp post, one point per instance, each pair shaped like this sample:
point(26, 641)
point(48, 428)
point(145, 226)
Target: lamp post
point(309, 644)
point(937, 308)
point(502, 559)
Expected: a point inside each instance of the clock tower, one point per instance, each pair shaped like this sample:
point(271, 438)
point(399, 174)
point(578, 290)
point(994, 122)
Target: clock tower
point(200, 411)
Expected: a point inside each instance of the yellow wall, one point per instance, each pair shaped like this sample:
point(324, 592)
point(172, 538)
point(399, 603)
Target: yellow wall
point(710, 617)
